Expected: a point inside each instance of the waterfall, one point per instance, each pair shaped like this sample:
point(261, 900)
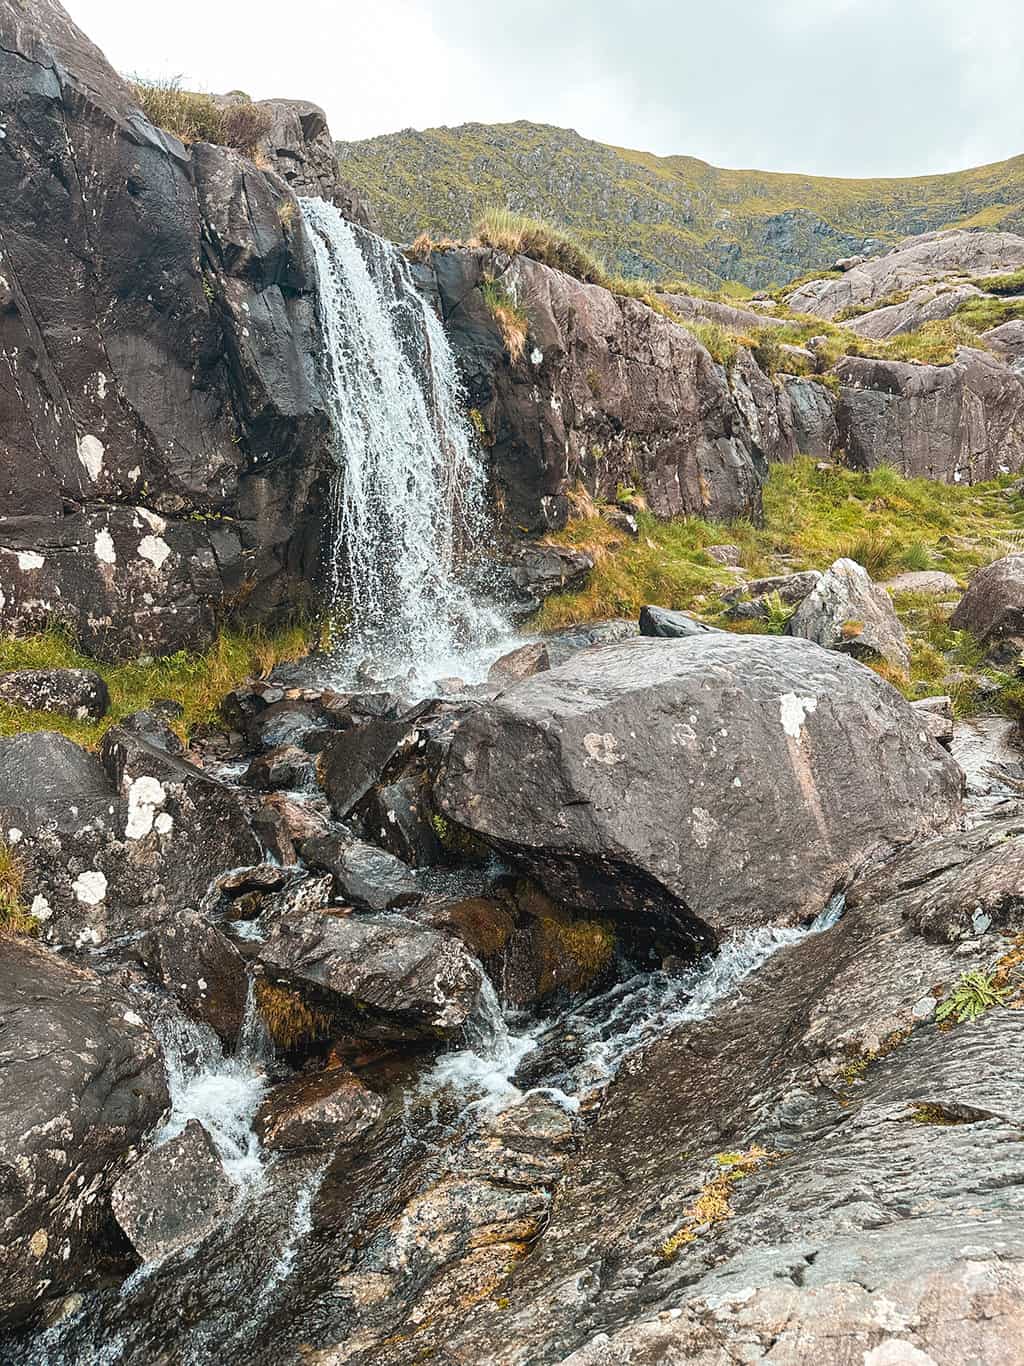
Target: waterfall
point(408, 503)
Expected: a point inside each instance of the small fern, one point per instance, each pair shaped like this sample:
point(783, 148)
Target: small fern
point(777, 612)
point(971, 997)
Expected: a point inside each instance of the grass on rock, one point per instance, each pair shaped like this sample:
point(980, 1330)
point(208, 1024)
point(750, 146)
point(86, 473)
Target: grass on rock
point(14, 918)
point(197, 681)
point(194, 116)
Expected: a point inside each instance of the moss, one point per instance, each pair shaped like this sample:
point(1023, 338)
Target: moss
point(573, 954)
point(197, 681)
point(713, 1205)
point(937, 1115)
point(455, 839)
point(289, 1021)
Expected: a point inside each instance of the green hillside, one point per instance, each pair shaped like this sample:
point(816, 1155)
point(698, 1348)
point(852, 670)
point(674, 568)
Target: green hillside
point(663, 216)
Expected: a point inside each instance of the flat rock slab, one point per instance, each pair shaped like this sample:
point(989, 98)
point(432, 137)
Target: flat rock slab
point(932, 581)
point(735, 779)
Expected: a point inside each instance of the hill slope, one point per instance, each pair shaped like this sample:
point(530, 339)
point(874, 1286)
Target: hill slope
point(663, 216)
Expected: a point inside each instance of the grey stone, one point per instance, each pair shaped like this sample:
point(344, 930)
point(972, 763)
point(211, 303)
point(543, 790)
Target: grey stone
point(524, 662)
point(931, 581)
point(813, 406)
point(846, 611)
point(927, 303)
point(1006, 340)
point(724, 554)
point(992, 609)
point(78, 693)
point(661, 621)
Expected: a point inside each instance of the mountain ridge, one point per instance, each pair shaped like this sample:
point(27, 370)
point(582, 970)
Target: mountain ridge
point(656, 217)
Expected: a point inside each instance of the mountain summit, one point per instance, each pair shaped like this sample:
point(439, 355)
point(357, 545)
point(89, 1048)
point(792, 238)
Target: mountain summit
point(662, 216)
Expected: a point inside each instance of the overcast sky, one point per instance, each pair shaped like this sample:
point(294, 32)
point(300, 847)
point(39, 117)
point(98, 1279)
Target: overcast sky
point(841, 87)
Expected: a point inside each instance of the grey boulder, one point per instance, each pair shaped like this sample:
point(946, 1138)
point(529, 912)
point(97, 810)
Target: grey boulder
point(174, 1195)
point(934, 582)
point(78, 693)
point(992, 609)
point(847, 611)
point(663, 622)
point(713, 782)
point(326, 1110)
point(363, 875)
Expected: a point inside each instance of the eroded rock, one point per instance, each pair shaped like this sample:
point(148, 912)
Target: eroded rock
point(847, 611)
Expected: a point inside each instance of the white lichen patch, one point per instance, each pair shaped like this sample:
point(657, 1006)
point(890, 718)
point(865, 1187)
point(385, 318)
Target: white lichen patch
point(151, 519)
point(154, 549)
point(793, 711)
point(536, 355)
point(40, 908)
point(145, 796)
point(603, 748)
point(704, 826)
point(91, 451)
point(164, 823)
point(90, 887)
point(131, 1018)
point(28, 559)
point(103, 547)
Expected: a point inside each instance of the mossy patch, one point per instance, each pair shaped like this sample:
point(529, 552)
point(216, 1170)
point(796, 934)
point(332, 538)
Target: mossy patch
point(713, 1205)
point(290, 1022)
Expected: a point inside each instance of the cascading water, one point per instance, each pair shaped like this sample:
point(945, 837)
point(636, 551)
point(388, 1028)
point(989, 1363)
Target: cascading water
point(408, 499)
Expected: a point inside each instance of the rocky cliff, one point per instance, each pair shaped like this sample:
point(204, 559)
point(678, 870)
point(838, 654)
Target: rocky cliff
point(662, 216)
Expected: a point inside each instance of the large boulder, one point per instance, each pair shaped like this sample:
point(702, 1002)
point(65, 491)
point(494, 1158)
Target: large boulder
point(926, 304)
point(959, 423)
point(174, 1195)
point(380, 976)
point(670, 625)
point(913, 262)
point(813, 417)
point(1007, 340)
point(325, 1110)
point(78, 693)
point(81, 1082)
point(605, 392)
point(847, 611)
point(992, 609)
point(164, 455)
point(719, 781)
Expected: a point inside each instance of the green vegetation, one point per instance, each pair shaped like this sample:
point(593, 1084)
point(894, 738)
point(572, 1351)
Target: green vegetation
point(661, 217)
point(513, 324)
point(197, 681)
point(974, 994)
point(517, 234)
point(714, 1203)
point(14, 919)
point(196, 117)
point(1001, 284)
point(813, 517)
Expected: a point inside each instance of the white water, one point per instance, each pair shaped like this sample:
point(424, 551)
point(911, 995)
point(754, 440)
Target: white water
point(408, 500)
point(613, 1026)
point(222, 1093)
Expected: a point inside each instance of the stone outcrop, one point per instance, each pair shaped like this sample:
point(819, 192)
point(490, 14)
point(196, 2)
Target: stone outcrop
point(846, 611)
point(992, 609)
point(928, 303)
point(164, 433)
point(957, 423)
point(715, 781)
point(78, 693)
point(299, 146)
point(812, 410)
point(1007, 340)
point(605, 391)
point(81, 1082)
point(913, 262)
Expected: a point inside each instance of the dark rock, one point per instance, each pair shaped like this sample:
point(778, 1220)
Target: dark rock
point(299, 146)
point(846, 611)
point(283, 825)
point(47, 780)
point(81, 1082)
point(327, 1110)
point(722, 780)
point(660, 621)
point(201, 969)
point(535, 572)
point(78, 693)
point(263, 877)
point(285, 766)
point(398, 817)
point(607, 392)
point(747, 599)
point(394, 979)
point(354, 760)
point(992, 609)
point(174, 1195)
point(813, 408)
point(364, 876)
point(567, 642)
point(621, 520)
point(522, 663)
point(957, 423)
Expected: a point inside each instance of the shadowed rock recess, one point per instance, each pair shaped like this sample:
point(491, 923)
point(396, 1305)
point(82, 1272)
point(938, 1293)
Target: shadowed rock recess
point(638, 993)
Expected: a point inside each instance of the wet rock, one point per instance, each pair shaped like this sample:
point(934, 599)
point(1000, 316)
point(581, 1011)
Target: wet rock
point(174, 1195)
point(364, 876)
point(957, 423)
point(562, 644)
point(535, 572)
point(813, 408)
point(661, 621)
point(283, 825)
point(354, 760)
point(285, 766)
point(750, 601)
point(326, 1110)
point(992, 609)
point(48, 780)
point(931, 581)
point(524, 662)
point(724, 780)
point(846, 611)
point(391, 978)
point(201, 969)
point(937, 717)
point(399, 818)
point(81, 1082)
point(262, 877)
point(78, 693)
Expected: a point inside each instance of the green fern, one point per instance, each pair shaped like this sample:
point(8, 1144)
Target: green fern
point(975, 993)
point(778, 612)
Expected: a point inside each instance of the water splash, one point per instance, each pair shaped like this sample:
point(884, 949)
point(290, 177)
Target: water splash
point(409, 495)
point(484, 1069)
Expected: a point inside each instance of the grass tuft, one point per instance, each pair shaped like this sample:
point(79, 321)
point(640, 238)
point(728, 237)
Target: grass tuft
point(513, 324)
point(14, 919)
point(517, 234)
point(194, 116)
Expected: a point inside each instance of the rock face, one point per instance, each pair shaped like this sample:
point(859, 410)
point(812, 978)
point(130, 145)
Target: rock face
point(846, 611)
point(992, 609)
point(81, 1081)
point(957, 423)
point(928, 303)
point(299, 146)
point(733, 780)
point(164, 435)
point(669, 625)
point(397, 979)
point(913, 262)
point(1007, 340)
point(606, 391)
point(322, 1111)
point(813, 417)
point(78, 693)
point(174, 1195)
